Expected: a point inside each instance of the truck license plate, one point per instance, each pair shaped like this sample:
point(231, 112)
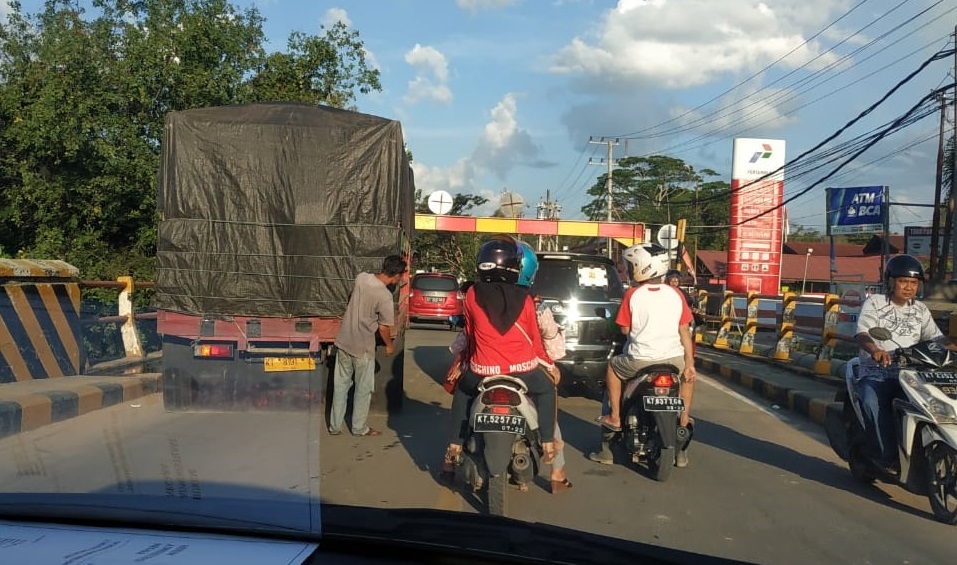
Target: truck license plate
point(289, 364)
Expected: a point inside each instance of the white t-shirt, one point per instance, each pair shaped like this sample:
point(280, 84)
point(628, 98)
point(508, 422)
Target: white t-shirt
point(909, 324)
point(653, 313)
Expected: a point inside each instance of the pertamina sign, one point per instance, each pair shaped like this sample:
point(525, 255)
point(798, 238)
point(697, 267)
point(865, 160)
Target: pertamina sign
point(757, 216)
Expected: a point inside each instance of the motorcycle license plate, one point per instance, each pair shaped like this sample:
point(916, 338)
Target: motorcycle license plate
point(663, 403)
point(499, 423)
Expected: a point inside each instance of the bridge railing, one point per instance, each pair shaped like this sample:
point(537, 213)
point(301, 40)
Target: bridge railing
point(127, 319)
point(781, 326)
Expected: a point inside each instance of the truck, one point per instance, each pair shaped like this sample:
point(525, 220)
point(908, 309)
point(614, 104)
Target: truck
point(267, 214)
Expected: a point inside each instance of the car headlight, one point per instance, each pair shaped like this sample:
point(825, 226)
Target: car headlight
point(941, 410)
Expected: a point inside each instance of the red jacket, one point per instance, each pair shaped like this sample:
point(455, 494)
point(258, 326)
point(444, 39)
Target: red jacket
point(491, 353)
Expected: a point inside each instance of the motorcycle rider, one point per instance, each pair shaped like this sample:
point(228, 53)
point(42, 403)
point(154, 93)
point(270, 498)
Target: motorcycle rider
point(910, 322)
point(657, 321)
point(503, 338)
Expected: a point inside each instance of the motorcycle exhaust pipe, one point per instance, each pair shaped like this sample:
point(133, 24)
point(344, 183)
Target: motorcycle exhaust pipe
point(521, 462)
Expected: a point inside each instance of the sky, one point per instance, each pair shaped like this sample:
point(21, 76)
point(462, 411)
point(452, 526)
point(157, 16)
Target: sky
point(497, 95)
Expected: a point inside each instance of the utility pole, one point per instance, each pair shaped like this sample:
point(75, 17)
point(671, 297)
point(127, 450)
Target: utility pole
point(548, 210)
point(953, 175)
point(936, 273)
point(611, 163)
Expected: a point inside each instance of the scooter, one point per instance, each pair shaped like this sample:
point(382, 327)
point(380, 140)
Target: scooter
point(503, 442)
point(651, 404)
point(926, 426)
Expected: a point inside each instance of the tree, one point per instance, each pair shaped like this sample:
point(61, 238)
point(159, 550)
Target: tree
point(659, 190)
point(448, 252)
point(82, 104)
point(804, 233)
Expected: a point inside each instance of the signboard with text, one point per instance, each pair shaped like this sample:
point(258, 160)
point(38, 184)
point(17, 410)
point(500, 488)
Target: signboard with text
point(858, 209)
point(917, 241)
point(757, 216)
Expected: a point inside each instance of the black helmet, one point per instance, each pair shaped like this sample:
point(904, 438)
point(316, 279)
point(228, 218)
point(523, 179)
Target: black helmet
point(499, 260)
point(672, 273)
point(904, 266)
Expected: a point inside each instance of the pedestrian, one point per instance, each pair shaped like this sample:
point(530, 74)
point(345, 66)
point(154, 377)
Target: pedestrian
point(370, 311)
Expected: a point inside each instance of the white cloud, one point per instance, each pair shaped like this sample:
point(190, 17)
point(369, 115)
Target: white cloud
point(432, 76)
point(474, 6)
point(5, 9)
point(502, 146)
point(682, 43)
point(334, 15)
point(742, 112)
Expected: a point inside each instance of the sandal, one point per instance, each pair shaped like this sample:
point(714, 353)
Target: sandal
point(561, 486)
point(370, 433)
point(452, 455)
point(605, 421)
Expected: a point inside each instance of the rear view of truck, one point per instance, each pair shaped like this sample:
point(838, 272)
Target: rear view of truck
point(268, 213)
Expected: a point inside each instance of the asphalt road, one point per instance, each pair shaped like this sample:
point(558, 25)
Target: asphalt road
point(762, 486)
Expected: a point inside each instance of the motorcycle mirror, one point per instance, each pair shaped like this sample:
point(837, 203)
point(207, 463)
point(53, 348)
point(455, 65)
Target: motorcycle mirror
point(882, 334)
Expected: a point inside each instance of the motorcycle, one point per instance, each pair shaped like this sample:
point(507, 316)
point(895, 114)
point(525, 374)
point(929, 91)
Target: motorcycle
point(503, 442)
point(650, 406)
point(926, 426)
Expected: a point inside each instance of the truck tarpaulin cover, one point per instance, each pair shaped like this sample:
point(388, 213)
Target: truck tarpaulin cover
point(273, 209)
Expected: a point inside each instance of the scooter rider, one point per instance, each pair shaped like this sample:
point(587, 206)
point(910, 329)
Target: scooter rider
point(503, 338)
point(657, 321)
point(910, 322)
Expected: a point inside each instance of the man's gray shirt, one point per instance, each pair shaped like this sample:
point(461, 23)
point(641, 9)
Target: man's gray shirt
point(369, 306)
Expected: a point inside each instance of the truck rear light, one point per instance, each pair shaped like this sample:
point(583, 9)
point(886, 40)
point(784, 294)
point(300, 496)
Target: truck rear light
point(213, 350)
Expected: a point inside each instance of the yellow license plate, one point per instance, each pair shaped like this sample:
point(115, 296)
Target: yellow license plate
point(289, 364)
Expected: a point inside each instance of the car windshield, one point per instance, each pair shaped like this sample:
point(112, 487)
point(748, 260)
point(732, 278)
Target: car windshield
point(237, 239)
point(581, 279)
point(435, 283)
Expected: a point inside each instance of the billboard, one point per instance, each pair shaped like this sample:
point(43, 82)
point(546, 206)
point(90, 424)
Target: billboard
point(917, 241)
point(857, 209)
point(757, 188)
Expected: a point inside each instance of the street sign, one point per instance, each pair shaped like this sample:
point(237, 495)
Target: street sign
point(440, 202)
point(668, 236)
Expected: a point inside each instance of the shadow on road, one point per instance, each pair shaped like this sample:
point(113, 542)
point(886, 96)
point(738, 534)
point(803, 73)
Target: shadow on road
point(811, 468)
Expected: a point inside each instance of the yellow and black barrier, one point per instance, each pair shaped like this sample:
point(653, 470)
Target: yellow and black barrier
point(40, 332)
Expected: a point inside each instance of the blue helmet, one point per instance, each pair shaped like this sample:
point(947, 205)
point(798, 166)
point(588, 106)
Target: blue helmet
point(528, 265)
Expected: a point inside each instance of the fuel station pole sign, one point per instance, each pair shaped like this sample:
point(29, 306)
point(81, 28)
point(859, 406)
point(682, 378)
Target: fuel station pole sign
point(757, 216)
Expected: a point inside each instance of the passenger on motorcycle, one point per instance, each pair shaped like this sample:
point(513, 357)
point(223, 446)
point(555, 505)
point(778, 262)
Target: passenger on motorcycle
point(503, 338)
point(657, 320)
point(549, 331)
point(910, 322)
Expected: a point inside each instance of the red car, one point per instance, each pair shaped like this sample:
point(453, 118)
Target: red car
point(434, 297)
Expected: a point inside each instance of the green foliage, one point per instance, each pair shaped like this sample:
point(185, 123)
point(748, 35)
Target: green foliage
point(659, 190)
point(83, 97)
point(804, 233)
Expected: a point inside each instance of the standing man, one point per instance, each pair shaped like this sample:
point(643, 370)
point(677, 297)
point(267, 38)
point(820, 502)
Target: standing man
point(370, 310)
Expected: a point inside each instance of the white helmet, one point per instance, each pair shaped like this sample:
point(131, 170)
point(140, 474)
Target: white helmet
point(647, 261)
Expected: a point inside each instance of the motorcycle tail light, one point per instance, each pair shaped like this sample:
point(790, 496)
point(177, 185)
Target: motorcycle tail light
point(501, 396)
point(501, 410)
point(663, 380)
point(662, 391)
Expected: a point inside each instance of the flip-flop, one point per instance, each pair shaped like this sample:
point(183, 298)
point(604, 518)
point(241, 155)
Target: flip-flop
point(561, 486)
point(370, 433)
point(603, 420)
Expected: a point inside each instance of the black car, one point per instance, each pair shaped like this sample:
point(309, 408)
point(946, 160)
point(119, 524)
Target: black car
point(584, 293)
